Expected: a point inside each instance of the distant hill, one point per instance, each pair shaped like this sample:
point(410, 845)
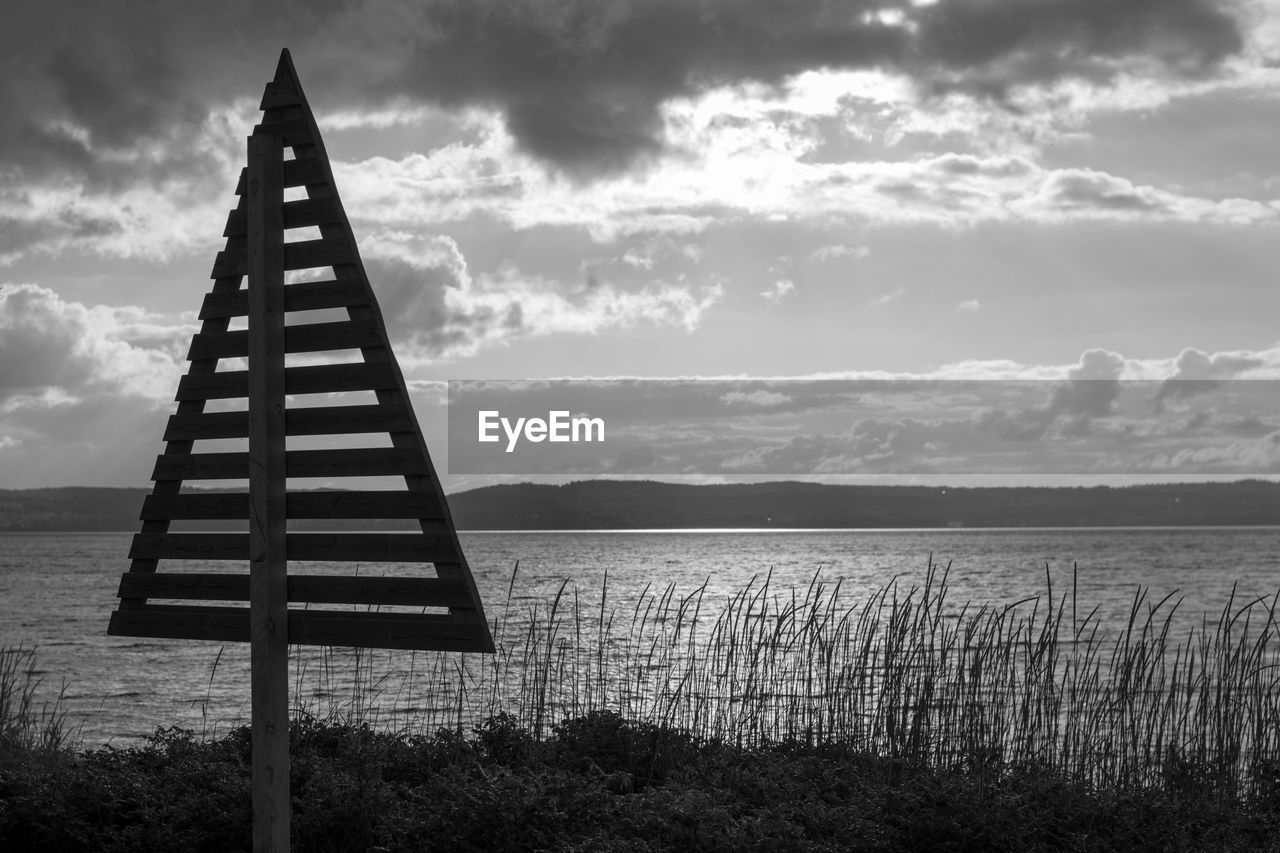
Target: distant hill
point(613, 504)
point(623, 504)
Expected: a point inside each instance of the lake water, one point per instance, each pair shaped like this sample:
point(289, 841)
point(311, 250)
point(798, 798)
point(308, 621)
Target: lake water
point(57, 592)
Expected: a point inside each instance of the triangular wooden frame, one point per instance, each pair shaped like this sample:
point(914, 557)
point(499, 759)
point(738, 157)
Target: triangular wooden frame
point(288, 122)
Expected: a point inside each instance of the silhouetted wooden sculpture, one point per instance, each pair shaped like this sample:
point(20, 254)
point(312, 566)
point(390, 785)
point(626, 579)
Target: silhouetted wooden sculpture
point(256, 250)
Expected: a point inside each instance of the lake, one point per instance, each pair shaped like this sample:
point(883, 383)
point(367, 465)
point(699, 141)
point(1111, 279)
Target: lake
point(57, 592)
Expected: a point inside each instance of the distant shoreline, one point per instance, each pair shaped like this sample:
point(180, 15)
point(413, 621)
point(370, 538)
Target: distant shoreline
point(628, 505)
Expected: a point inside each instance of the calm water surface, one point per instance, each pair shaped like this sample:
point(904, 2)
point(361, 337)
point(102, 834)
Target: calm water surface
point(57, 592)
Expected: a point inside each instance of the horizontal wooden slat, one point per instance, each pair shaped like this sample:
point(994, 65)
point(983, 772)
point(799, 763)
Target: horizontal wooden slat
point(305, 627)
point(307, 379)
point(219, 345)
point(300, 213)
point(372, 547)
point(319, 547)
point(333, 378)
point(376, 504)
point(201, 466)
point(322, 504)
point(318, 420)
point(297, 173)
point(306, 254)
point(305, 296)
point(302, 589)
point(280, 94)
point(213, 386)
point(189, 546)
point(308, 337)
point(356, 462)
point(339, 462)
point(319, 337)
point(292, 131)
point(346, 420)
point(207, 425)
point(302, 255)
point(188, 506)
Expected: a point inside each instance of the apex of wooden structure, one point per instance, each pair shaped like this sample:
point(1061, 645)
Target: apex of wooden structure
point(257, 249)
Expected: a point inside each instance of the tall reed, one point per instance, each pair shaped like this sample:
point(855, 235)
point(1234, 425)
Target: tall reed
point(26, 720)
point(902, 672)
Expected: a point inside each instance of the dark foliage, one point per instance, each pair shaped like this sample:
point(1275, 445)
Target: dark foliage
point(601, 783)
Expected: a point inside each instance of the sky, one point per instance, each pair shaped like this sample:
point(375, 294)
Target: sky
point(962, 189)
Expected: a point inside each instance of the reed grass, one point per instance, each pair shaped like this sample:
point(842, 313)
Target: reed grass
point(902, 673)
point(28, 721)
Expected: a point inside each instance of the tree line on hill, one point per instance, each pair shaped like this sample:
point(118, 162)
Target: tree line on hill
point(631, 504)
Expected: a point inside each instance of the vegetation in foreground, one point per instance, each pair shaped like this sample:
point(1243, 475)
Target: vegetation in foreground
point(599, 783)
point(782, 720)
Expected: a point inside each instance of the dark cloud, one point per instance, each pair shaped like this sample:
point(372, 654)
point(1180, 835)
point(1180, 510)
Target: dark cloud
point(1199, 373)
point(412, 300)
point(1090, 391)
point(581, 83)
point(989, 46)
point(1079, 190)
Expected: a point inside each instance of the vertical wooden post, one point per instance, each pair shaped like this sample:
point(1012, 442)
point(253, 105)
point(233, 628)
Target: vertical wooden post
point(268, 629)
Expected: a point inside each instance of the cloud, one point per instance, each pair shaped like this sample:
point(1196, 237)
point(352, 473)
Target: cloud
point(763, 399)
point(49, 344)
point(580, 85)
point(838, 250)
point(988, 46)
point(687, 196)
point(780, 288)
point(969, 306)
point(1197, 372)
point(83, 389)
point(431, 301)
point(888, 297)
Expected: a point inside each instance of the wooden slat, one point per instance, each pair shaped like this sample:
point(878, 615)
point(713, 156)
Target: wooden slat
point(293, 131)
point(384, 631)
point(201, 466)
point(300, 213)
point(372, 547)
point(306, 627)
point(346, 420)
point(302, 255)
point(207, 425)
point(319, 337)
point(297, 173)
point(360, 504)
point(322, 504)
point(318, 420)
point(404, 592)
point(334, 378)
point(306, 379)
point(313, 547)
point(303, 589)
point(233, 505)
point(213, 386)
point(189, 546)
point(339, 462)
point(355, 462)
point(308, 337)
point(306, 254)
point(280, 94)
point(306, 296)
point(219, 345)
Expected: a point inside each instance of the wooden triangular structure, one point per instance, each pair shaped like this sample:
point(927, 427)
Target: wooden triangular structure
point(256, 249)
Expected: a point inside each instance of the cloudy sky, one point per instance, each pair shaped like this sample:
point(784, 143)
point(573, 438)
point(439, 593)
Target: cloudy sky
point(1050, 189)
